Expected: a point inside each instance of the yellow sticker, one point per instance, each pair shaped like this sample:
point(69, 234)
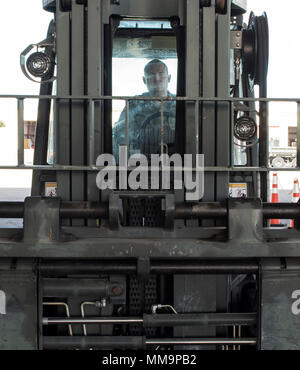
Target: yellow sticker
point(238, 190)
point(50, 189)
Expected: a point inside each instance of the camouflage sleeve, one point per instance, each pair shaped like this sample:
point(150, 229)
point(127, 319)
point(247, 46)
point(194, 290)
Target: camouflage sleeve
point(118, 134)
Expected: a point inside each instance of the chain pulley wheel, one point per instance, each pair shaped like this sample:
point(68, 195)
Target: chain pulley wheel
point(256, 48)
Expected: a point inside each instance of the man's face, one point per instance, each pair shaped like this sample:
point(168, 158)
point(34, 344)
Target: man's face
point(156, 78)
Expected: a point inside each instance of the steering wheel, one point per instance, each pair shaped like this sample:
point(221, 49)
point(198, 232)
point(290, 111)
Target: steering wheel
point(149, 133)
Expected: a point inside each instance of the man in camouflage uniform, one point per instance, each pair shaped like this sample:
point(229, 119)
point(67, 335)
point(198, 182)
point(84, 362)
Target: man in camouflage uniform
point(144, 121)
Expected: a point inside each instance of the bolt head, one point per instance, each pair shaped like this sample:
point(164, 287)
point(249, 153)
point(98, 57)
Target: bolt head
point(116, 290)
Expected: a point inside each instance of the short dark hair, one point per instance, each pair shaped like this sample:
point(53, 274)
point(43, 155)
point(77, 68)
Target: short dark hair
point(155, 61)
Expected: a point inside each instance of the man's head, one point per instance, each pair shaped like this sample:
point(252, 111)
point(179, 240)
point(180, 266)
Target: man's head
point(156, 78)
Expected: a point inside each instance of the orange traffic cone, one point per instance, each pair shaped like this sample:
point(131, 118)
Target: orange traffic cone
point(296, 195)
point(274, 197)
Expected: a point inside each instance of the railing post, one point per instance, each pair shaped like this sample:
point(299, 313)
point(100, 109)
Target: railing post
point(231, 161)
point(161, 126)
point(54, 133)
point(20, 132)
point(127, 127)
point(298, 135)
point(91, 132)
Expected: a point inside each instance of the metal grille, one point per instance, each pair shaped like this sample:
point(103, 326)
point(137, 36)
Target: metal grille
point(153, 216)
point(141, 298)
point(143, 212)
point(150, 299)
point(136, 303)
point(135, 212)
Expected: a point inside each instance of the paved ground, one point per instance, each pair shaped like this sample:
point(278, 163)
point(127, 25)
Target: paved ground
point(12, 194)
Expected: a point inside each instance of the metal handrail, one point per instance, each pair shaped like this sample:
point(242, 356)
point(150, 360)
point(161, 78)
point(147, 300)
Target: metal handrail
point(91, 99)
point(152, 98)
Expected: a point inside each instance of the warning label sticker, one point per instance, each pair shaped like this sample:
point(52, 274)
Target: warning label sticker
point(238, 190)
point(50, 189)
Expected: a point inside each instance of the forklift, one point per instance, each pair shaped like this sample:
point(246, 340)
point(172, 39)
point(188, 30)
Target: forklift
point(114, 268)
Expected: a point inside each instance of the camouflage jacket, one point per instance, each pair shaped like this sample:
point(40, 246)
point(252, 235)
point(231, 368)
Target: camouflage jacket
point(144, 126)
